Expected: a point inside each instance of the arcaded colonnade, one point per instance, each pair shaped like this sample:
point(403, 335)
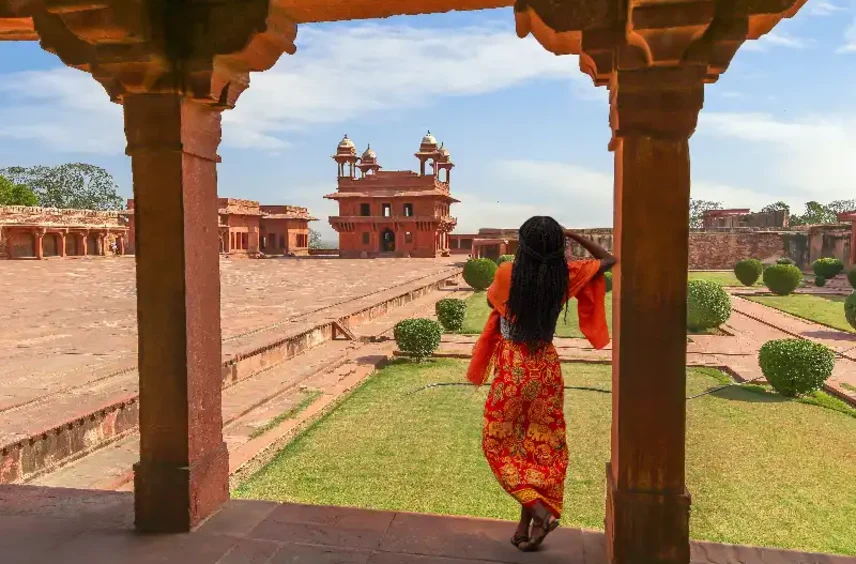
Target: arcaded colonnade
point(175, 65)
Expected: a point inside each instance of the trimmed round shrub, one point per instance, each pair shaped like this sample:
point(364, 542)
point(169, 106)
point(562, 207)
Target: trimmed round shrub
point(782, 279)
point(504, 258)
point(608, 277)
point(827, 267)
point(795, 367)
point(418, 337)
point(748, 271)
point(708, 305)
point(851, 277)
point(850, 309)
point(819, 281)
point(451, 312)
point(786, 260)
point(479, 273)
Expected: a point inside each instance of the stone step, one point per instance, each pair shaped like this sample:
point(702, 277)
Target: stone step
point(331, 369)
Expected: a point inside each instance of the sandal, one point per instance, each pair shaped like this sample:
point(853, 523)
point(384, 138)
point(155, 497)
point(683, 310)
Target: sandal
point(519, 539)
point(549, 525)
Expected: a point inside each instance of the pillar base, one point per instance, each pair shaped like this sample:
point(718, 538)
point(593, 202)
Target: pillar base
point(175, 499)
point(646, 527)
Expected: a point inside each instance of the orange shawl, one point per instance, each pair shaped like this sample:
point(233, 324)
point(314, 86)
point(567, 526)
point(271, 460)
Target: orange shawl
point(584, 283)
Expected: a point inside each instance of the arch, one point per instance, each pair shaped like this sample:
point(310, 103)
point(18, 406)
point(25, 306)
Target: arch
point(51, 245)
point(91, 244)
point(387, 241)
point(72, 245)
point(22, 244)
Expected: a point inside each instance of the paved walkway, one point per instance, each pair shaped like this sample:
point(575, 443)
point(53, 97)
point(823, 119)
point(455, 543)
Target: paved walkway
point(46, 526)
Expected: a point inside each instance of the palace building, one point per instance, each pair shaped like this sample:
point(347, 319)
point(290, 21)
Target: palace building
point(395, 213)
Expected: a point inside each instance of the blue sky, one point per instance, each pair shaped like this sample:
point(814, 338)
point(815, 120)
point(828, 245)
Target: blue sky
point(527, 130)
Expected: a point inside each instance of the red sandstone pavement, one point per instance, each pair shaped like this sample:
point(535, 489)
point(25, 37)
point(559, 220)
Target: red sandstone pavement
point(50, 525)
point(72, 322)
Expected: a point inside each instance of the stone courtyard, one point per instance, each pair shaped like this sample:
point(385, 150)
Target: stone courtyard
point(64, 322)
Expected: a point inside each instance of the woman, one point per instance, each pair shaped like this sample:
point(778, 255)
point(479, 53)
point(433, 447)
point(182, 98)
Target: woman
point(524, 425)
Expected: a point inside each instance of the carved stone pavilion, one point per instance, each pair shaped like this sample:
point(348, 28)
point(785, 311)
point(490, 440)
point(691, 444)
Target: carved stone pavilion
point(176, 65)
point(396, 213)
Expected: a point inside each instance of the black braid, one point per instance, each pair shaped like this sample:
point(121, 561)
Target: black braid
point(539, 282)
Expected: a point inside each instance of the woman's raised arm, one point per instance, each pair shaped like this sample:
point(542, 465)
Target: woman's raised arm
point(607, 259)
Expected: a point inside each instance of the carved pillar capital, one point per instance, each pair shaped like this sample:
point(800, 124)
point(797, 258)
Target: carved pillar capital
point(203, 50)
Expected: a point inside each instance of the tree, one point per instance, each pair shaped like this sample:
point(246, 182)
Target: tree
point(815, 214)
point(842, 206)
point(777, 206)
point(16, 194)
point(314, 239)
point(697, 209)
point(73, 185)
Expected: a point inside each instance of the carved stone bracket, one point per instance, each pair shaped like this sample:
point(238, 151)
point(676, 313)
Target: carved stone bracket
point(202, 49)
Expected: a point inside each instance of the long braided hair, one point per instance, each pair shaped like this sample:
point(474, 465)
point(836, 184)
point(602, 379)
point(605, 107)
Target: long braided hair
point(539, 281)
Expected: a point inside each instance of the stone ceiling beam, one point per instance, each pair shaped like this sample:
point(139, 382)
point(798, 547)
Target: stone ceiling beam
point(310, 11)
point(16, 20)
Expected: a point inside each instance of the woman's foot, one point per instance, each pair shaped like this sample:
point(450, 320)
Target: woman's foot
point(521, 535)
point(543, 523)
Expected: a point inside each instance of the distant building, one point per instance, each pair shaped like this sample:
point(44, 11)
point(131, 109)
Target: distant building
point(744, 218)
point(397, 213)
point(34, 232)
point(247, 228)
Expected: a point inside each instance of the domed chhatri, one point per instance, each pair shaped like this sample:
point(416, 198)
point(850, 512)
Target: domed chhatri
point(369, 154)
point(429, 143)
point(445, 155)
point(346, 146)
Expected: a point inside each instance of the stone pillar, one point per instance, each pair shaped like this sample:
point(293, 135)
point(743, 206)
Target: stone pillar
point(39, 239)
point(84, 243)
point(62, 244)
point(102, 244)
point(653, 114)
point(120, 240)
point(182, 475)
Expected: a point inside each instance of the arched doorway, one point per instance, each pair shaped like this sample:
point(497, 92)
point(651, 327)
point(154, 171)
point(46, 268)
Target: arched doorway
point(387, 241)
point(92, 244)
point(50, 246)
point(22, 245)
point(72, 245)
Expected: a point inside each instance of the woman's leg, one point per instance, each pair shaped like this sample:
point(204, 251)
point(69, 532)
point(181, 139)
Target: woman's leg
point(543, 523)
point(521, 535)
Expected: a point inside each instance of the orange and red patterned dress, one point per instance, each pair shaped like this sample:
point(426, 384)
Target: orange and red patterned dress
point(523, 437)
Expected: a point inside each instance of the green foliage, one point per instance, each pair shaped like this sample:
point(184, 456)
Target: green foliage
point(777, 206)
point(315, 240)
point(819, 281)
point(851, 277)
point(16, 194)
point(748, 271)
point(504, 258)
point(451, 313)
point(708, 305)
point(786, 260)
point(72, 186)
point(608, 277)
point(418, 337)
point(850, 309)
point(479, 273)
point(827, 267)
point(795, 367)
point(782, 279)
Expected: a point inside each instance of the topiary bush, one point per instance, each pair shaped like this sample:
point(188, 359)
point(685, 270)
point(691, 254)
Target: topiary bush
point(708, 305)
point(795, 367)
point(451, 312)
point(782, 279)
point(748, 271)
point(827, 267)
point(608, 277)
point(504, 258)
point(851, 277)
point(819, 281)
point(786, 260)
point(479, 273)
point(418, 337)
point(850, 309)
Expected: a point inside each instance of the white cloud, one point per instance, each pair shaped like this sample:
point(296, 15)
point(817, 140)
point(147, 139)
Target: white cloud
point(338, 73)
point(805, 158)
point(823, 8)
point(849, 45)
point(778, 38)
point(341, 73)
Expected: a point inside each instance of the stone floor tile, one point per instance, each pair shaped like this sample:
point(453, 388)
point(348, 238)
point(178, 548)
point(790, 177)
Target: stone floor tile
point(251, 551)
point(307, 554)
point(238, 518)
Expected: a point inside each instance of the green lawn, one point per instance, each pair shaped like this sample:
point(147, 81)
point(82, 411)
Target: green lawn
point(478, 311)
point(723, 278)
point(762, 470)
point(826, 310)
